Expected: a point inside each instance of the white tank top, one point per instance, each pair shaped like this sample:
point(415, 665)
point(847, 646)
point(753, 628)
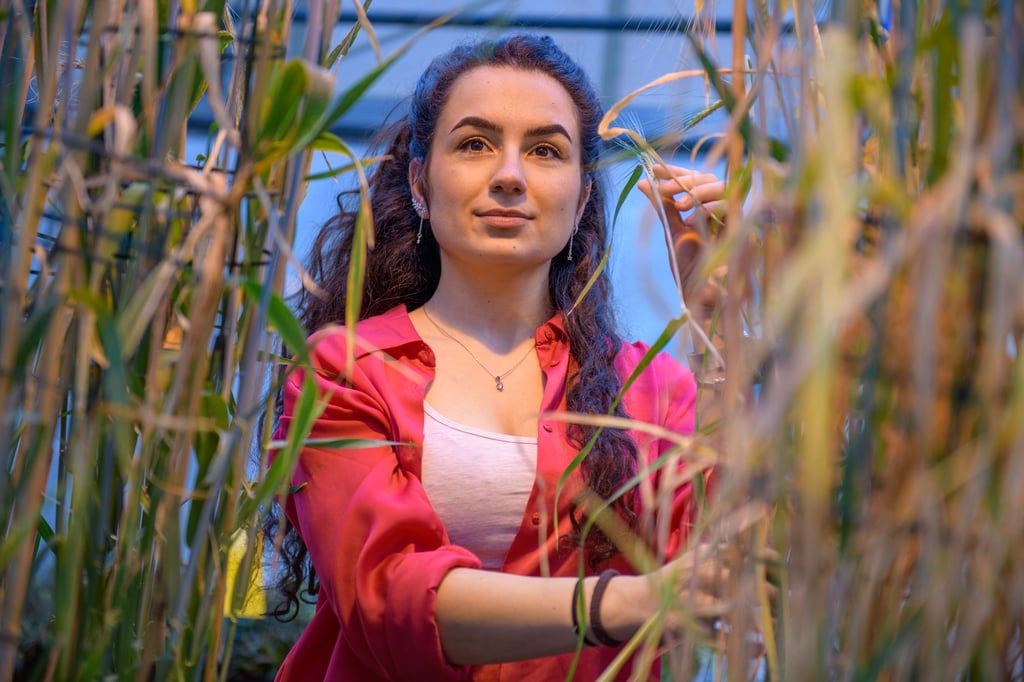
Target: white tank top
point(478, 483)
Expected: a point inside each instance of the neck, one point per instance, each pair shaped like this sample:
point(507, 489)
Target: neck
point(499, 310)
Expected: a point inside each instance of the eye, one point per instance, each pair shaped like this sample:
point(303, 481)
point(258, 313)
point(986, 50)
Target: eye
point(473, 144)
point(547, 151)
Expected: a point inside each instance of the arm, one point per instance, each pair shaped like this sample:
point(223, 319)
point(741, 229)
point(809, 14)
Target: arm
point(487, 617)
point(378, 548)
point(694, 208)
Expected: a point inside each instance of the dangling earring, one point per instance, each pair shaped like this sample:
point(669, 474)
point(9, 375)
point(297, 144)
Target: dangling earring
point(575, 229)
point(420, 210)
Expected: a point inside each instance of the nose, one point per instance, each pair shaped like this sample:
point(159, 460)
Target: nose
point(508, 176)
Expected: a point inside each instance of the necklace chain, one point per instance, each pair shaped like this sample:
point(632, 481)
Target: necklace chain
point(497, 377)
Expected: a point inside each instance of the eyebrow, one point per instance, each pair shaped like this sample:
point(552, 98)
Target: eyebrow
point(484, 124)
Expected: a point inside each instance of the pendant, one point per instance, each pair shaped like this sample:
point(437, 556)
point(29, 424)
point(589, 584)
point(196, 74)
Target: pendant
point(497, 383)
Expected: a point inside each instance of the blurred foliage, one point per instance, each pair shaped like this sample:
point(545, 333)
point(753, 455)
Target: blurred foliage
point(864, 391)
point(142, 322)
point(864, 402)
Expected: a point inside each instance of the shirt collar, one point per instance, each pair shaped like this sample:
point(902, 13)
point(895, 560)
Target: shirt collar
point(392, 330)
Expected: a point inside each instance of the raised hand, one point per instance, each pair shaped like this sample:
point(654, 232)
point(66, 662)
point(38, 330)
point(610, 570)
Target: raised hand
point(692, 204)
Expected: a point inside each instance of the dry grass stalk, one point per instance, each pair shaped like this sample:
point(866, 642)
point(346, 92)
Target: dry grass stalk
point(877, 408)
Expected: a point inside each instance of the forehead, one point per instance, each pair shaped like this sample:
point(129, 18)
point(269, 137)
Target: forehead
point(510, 96)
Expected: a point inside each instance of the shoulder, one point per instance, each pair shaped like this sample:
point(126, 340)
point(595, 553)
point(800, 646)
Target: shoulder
point(368, 353)
point(369, 368)
point(386, 332)
point(372, 344)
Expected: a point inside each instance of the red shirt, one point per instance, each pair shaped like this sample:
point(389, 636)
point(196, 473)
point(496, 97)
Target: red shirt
point(378, 547)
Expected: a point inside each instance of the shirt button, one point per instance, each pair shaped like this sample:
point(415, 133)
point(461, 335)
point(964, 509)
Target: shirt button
point(535, 519)
point(549, 335)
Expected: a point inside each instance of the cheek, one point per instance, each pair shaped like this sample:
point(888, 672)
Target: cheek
point(448, 185)
point(570, 197)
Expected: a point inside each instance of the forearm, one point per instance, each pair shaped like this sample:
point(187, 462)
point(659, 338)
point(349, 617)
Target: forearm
point(487, 617)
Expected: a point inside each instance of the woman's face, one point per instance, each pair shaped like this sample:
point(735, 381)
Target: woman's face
point(503, 182)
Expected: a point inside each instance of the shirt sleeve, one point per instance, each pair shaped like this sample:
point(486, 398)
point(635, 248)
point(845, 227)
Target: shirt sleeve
point(680, 417)
point(376, 543)
point(665, 394)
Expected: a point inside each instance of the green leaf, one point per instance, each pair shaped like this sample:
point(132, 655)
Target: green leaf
point(338, 443)
point(45, 535)
point(357, 265)
point(15, 538)
point(280, 317)
point(631, 181)
point(115, 390)
point(630, 184)
point(32, 333)
point(281, 105)
point(297, 99)
point(212, 406)
point(944, 105)
point(356, 92)
point(327, 141)
point(745, 127)
point(345, 44)
point(334, 141)
point(307, 409)
point(134, 319)
point(316, 98)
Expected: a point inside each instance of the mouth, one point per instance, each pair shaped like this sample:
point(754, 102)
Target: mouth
point(503, 217)
point(504, 213)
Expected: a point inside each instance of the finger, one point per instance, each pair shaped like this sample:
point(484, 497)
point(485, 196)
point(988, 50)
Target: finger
point(655, 194)
point(663, 207)
point(708, 575)
point(662, 171)
point(702, 615)
point(707, 216)
point(700, 612)
point(700, 194)
point(709, 188)
point(680, 184)
point(645, 186)
point(716, 207)
point(709, 608)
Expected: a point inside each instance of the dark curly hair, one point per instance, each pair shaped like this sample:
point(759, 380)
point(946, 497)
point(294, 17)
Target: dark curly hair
point(401, 271)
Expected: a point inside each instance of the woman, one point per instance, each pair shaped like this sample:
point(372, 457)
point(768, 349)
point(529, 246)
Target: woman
point(489, 222)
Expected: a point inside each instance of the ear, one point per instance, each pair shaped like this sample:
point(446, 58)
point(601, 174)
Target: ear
point(584, 198)
point(416, 168)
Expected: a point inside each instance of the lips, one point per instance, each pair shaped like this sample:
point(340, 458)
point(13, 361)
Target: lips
point(504, 213)
point(503, 217)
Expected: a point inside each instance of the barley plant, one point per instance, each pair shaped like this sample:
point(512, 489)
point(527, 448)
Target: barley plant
point(142, 318)
point(862, 386)
point(865, 400)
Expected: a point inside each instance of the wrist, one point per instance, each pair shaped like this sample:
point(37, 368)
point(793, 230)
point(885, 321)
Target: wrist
point(627, 603)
